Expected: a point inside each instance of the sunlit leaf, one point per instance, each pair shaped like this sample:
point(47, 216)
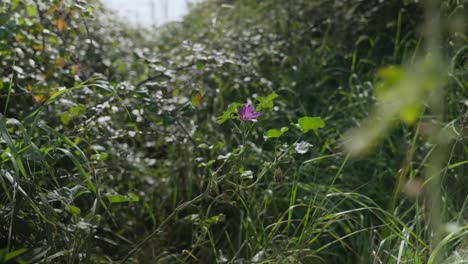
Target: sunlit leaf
point(215, 219)
point(118, 198)
point(275, 133)
point(65, 118)
point(207, 164)
point(308, 123)
point(266, 103)
point(230, 113)
point(73, 209)
point(31, 10)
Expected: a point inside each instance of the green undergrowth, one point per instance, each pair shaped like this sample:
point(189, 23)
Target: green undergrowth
point(128, 145)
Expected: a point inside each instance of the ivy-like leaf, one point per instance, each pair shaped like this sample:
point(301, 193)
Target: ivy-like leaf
point(275, 133)
point(266, 103)
point(308, 123)
point(230, 113)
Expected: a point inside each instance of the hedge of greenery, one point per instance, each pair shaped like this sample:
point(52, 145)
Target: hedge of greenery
point(251, 132)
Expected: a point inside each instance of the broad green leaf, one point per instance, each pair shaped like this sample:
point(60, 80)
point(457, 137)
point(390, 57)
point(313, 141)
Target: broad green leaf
point(12, 255)
point(77, 110)
point(65, 118)
point(31, 10)
point(206, 146)
point(118, 198)
point(14, 4)
point(266, 103)
point(209, 163)
point(223, 157)
point(275, 133)
point(308, 123)
point(73, 209)
point(215, 219)
point(200, 65)
point(66, 194)
point(89, 12)
point(100, 156)
point(230, 113)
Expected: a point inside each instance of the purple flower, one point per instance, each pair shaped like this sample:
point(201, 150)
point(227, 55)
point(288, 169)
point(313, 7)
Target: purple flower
point(247, 113)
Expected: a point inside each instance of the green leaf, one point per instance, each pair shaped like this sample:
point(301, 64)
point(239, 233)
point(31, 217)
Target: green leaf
point(206, 146)
point(14, 254)
point(275, 133)
point(266, 103)
point(14, 4)
point(77, 110)
point(100, 156)
point(73, 209)
point(66, 194)
point(209, 163)
point(89, 12)
point(118, 198)
point(200, 65)
point(65, 118)
point(215, 219)
point(308, 123)
point(230, 113)
point(31, 10)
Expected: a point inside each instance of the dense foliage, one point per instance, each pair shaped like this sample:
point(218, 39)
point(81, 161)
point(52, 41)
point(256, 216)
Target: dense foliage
point(135, 145)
